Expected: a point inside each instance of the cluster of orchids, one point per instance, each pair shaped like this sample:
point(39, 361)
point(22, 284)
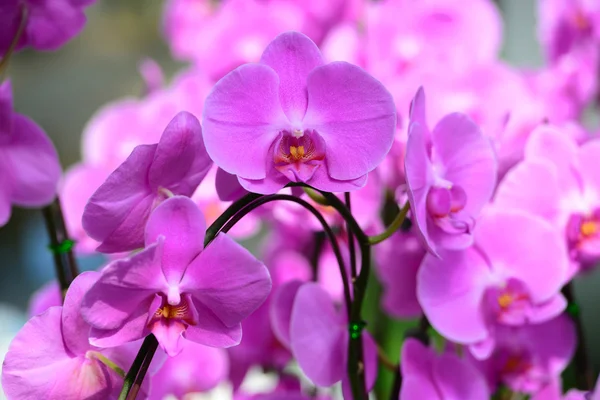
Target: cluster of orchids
point(362, 144)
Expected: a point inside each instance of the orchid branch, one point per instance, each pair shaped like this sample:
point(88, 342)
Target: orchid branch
point(61, 246)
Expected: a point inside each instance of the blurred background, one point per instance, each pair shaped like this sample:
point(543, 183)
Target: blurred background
point(62, 90)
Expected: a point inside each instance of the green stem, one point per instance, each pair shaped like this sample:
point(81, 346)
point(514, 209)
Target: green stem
point(392, 228)
point(15, 42)
point(326, 228)
point(60, 244)
point(110, 364)
point(139, 367)
point(351, 240)
point(233, 209)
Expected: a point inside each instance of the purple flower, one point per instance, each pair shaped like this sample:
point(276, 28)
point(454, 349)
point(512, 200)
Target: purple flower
point(116, 213)
point(197, 368)
point(292, 118)
point(426, 375)
point(51, 358)
point(29, 166)
point(49, 23)
point(511, 276)
point(528, 357)
point(306, 319)
point(451, 175)
point(176, 289)
point(398, 261)
point(559, 181)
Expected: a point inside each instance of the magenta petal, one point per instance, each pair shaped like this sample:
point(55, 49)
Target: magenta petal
point(318, 335)
point(119, 207)
point(549, 309)
point(169, 332)
point(45, 297)
point(35, 168)
point(228, 186)
point(6, 108)
point(537, 256)
point(180, 161)
point(467, 157)
point(451, 292)
point(417, 108)
point(28, 374)
point(293, 56)
point(548, 143)
point(75, 329)
point(228, 280)
point(322, 181)
point(531, 186)
point(589, 153)
point(280, 310)
point(271, 184)
point(416, 362)
point(242, 117)
point(457, 379)
point(419, 178)
point(124, 288)
point(211, 331)
point(354, 114)
point(181, 223)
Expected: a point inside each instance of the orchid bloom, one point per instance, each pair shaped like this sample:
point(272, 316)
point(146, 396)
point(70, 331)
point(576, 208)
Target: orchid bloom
point(426, 375)
point(511, 276)
point(292, 118)
point(51, 358)
point(559, 181)
point(451, 175)
point(49, 24)
point(29, 166)
point(305, 318)
point(116, 213)
point(527, 358)
point(174, 288)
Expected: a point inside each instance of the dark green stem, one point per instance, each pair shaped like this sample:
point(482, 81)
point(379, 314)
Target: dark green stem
point(326, 228)
point(583, 370)
point(233, 209)
point(351, 240)
point(139, 367)
point(60, 244)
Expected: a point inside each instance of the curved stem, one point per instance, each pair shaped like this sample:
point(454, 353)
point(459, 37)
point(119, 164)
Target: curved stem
point(139, 367)
point(328, 231)
point(233, 209)
point(392, 228)
point(15, 42)
point(351, 240)
point(60, 244)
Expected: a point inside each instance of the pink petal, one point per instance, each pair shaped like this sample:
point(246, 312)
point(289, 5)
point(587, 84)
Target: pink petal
point(322, 180)
point(417, 108)
point(228, 280)
point(117, 211)
point(35, 167)
point(293, 56)
point(180, 161)
point(354, 114)
point(468, 159)
point(531, 186)
point(211, 331)
point(273, 182)
point(75, 329)
point(28, 374)
point(318, 335)
point(548, 143)
point(45, 297)
point(416, 363)
point(6, 107)
point(537, 255)
point(242, 117)
point(169, 332)
point(419, 178)
point(228, 186)
point(589, 154)
point(181, 224)
point(457, 379)
point(280, 310)
point(125, 288)
point(451, 293)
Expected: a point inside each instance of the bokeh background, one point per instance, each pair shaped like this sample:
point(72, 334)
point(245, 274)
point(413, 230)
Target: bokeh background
point(62, 90)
